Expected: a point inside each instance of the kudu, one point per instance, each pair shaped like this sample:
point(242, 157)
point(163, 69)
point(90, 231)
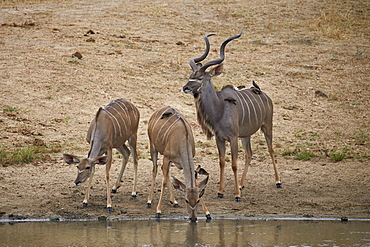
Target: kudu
point(171, 135)
point(230, 113)
point(112, 126)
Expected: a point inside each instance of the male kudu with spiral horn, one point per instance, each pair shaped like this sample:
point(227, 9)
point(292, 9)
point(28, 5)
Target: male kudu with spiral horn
point(112, 126)
point(230, 113)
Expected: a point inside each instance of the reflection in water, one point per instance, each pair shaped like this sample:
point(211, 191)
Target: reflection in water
point(167, 232)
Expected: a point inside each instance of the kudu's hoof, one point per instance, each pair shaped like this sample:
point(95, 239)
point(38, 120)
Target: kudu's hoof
point(219, 195)
point(279, 185)
point(237, 199)
point(114, 190)
point(84, 204)
point(133, 196)
point(158, 215)
point(109, 209)
point(148, 205)
point(208, 218)
point(175, 205)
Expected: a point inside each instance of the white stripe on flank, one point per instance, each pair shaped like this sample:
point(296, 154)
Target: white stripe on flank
point(127, 120)
point(114, 126)
point(267, 100)
point(134, 110)
point(251, 103)
point(155, 123)
point(123, 120)
point(260, 111)
point(113, 117)
point(247, 104)
point(165, 135)
point(264, 108)
point(241, 103)
point(263, 105)
point(123, 105)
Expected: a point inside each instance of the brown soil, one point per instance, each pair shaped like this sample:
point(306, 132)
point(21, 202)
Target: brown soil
point(140, 50)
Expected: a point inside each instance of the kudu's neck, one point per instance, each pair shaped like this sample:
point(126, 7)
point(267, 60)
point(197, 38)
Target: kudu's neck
point(96, 144)
point(189, 172)
point(210, 106)
point(187, 161)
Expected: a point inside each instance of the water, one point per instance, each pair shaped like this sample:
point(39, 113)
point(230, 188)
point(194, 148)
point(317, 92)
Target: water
point(170, 232)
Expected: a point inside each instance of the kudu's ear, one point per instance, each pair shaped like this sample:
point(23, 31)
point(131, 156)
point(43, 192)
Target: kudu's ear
point(177, 184)
point(201, 171)
point(216, 70)
point(101, 160)
point(202, 186)
point(70, 159)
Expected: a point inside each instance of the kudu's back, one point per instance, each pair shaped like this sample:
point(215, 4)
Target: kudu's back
point(253, 108)
point(169, 132)
point(112, 126)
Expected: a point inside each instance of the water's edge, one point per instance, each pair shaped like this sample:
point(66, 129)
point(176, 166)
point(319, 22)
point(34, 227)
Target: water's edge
point(103, 218)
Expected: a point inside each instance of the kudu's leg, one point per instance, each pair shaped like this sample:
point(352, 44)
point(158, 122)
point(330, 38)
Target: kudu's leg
point(170, 189)
point(246, 141)
point(132, 143)
point(205, 209)
point(154, 155)
point(166, 170)
point(125, 155)
point(87, 193)
point(107, 170)
point(267, 131)
point(234, 166)
point(221, 156)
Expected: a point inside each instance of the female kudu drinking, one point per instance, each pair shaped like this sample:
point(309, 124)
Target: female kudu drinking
point(229, 114)
point(112, 126)
point(171, 135)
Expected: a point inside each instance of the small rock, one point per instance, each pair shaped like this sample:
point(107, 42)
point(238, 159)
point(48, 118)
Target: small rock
point(291, 107)
point(77, 55)
point(90, 40)
point(319, 93)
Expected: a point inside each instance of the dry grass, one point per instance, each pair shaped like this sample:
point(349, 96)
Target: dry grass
point(14, 2)
point(342, 22)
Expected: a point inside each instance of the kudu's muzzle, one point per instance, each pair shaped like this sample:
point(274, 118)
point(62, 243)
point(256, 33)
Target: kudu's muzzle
point(83, 176)
point(192, 87)
point(186, 89)
point(192, 213)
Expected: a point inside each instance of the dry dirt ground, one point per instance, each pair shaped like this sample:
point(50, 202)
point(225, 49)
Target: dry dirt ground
point(140, 50)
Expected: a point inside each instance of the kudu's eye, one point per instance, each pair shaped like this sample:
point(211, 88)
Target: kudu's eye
point(198, 201)
point(87, 168)
point(186, 200)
